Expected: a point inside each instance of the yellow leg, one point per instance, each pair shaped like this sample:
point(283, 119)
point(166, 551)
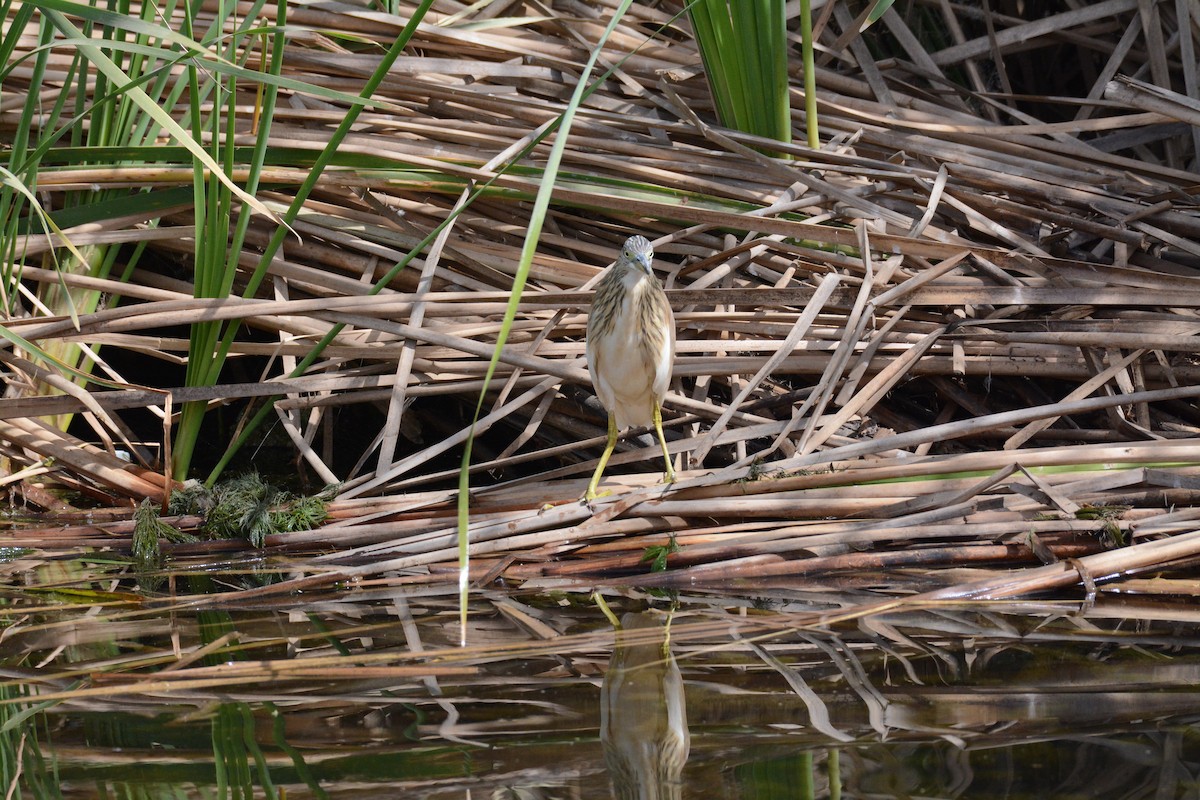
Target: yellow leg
point(591, 493)
point(669, 476)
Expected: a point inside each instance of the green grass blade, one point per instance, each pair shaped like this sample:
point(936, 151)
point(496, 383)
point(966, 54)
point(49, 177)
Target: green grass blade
point(144, 102)
point(810, 76)
point(323, 160)
point(743, 44)
point(881, 7)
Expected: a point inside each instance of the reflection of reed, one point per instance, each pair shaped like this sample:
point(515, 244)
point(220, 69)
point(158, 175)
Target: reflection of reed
point(643, 721)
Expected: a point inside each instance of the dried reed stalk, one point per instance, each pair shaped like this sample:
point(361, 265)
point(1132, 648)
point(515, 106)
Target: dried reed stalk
point(1016, 290)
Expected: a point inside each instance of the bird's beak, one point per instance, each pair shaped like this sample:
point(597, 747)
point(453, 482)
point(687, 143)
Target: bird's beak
point(645, 260)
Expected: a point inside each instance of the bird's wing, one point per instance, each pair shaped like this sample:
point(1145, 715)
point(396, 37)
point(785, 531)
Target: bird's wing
point(666, 356)
point(596, 362)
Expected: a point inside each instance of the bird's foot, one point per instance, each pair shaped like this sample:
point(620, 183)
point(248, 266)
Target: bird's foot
point(668, 477)
point(591, 494)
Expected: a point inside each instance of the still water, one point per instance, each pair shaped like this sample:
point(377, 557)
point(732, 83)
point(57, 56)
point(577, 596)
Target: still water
point(216, 689)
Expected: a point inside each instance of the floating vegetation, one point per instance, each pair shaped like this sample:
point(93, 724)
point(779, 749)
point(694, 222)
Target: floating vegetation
point(656, 554)
point(249, 507)
point(1111, 532)
point(149, 531)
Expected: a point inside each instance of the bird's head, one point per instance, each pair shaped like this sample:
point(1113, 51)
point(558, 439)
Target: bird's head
point(639, 253)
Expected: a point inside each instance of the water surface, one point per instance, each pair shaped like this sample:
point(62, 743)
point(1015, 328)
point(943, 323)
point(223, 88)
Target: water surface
point(203, 690)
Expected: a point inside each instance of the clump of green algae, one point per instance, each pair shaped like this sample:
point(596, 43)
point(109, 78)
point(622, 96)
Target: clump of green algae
point(246, 507)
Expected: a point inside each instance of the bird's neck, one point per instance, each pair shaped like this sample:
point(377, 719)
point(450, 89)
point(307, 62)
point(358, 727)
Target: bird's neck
point(634, 279)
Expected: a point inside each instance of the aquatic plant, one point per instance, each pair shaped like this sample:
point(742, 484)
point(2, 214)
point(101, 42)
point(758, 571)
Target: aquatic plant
point(250, 507)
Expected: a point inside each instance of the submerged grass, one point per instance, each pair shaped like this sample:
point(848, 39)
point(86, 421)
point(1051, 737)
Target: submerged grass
point(28, 773)
point(149, 531)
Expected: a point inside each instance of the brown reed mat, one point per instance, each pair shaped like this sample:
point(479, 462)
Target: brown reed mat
point(962, 334)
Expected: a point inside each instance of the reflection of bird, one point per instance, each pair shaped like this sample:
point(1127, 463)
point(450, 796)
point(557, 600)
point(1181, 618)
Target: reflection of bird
point(643, 715)
point(630, 348)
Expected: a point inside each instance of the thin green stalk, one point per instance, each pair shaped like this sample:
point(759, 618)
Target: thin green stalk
point(216, 257)
point(323, 160)
point(204, 214)
point(95, 54)
point(810, 75)
point(11, 201)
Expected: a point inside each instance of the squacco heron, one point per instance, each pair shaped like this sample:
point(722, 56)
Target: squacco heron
point(630, 349)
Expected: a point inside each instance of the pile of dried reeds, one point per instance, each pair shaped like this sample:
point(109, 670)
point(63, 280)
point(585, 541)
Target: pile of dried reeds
point(962, 333)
